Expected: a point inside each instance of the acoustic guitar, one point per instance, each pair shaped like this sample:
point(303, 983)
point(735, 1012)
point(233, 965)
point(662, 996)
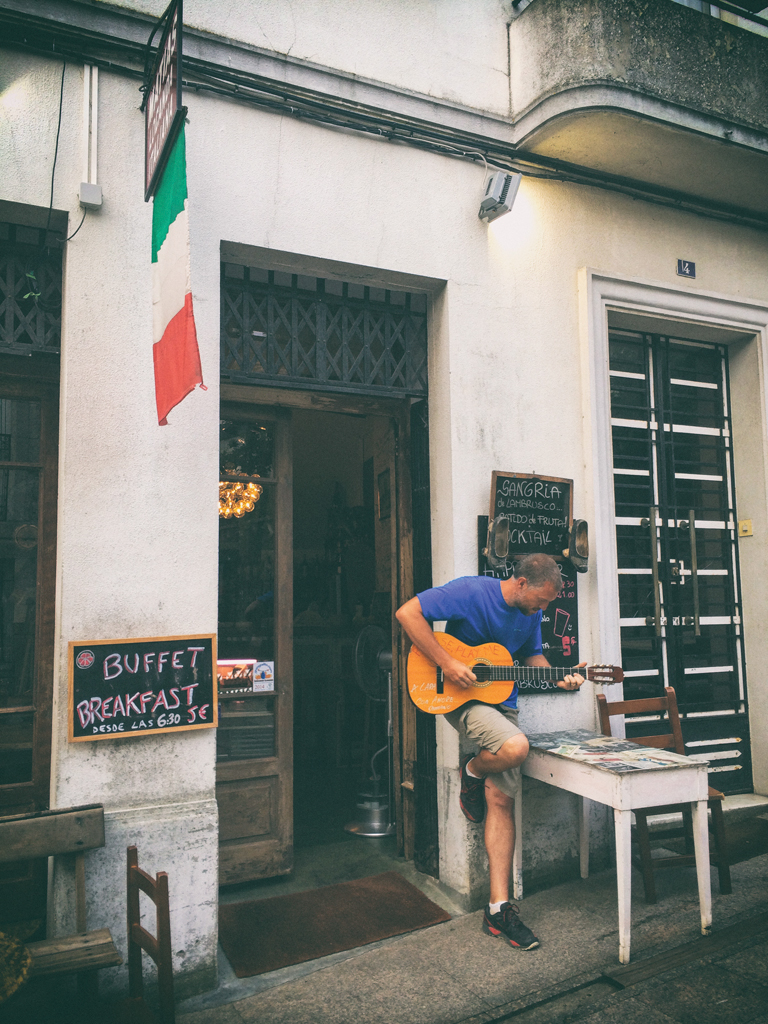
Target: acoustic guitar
point(496, 676)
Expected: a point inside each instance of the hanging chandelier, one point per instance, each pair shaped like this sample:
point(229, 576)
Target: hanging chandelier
point(236, 498)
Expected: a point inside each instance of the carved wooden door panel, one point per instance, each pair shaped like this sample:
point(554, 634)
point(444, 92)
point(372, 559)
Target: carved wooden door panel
point(254, 773)
point(28, 488)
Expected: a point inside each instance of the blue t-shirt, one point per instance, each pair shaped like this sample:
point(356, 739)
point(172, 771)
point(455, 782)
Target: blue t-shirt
point(476, 613)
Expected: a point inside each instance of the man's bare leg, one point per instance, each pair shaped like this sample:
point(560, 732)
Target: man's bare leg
point(499, 840)
point(499, 819)
point(501, 920)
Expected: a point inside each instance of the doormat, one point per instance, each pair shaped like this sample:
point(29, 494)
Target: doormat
point(264, 935)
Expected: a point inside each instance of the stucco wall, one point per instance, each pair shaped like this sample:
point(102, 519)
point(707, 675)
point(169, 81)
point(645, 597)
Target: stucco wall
point(137, 538)
point(453, 50)
point(676, 54)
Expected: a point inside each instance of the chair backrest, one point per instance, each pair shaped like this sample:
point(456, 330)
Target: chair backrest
point(157, 946)
point(668, 741)
point(67, 830)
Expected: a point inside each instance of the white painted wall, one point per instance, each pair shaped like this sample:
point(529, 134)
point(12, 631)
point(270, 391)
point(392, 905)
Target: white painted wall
point(508, 386)
point(137, 524)
point(454, 50)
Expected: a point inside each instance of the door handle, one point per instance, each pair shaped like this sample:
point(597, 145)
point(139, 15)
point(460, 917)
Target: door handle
point(694, 574)
point(651, 523)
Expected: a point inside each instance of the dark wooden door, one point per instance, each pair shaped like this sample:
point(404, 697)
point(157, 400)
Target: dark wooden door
point(28, 486)
point(254, 772)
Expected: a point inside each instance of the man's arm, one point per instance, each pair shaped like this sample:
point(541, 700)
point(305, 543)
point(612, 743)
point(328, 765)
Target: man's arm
point(570, 682)
point(411, 618)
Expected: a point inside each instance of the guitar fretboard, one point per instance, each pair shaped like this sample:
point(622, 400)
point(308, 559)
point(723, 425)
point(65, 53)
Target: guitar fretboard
point(519, 673)
point(528, 677)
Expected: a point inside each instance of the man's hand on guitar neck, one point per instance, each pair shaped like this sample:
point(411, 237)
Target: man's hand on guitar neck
point(570, 682)
point(412, 620)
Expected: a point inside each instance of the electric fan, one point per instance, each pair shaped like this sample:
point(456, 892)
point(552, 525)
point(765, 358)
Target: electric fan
point(373, 673)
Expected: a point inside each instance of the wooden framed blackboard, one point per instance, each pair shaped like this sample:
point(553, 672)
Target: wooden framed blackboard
point(121, 688)
point(560, 622)
point(539, 510)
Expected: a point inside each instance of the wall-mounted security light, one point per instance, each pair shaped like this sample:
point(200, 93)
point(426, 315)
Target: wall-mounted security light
point(499, 195)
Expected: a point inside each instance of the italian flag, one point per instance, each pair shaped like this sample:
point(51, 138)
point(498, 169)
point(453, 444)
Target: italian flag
point(175, 351)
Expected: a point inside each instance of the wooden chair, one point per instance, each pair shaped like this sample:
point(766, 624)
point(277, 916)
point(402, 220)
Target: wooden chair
point(158, 946)
point(68, 832)
point(669, 741)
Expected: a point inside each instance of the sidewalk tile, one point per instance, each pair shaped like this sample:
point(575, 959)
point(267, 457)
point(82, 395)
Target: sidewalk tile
point(752, 962)
point(366, 991)
point(706, 993)
point(630, 1011)
point(228, 1014)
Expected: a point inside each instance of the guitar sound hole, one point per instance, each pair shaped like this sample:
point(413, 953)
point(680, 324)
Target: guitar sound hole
point(482, 672)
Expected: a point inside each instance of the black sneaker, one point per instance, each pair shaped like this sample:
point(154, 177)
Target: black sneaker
point(472, 796)
point(508, 926)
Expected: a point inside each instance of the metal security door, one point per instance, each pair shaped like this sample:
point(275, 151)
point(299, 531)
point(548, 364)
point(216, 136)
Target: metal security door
point(680, 611)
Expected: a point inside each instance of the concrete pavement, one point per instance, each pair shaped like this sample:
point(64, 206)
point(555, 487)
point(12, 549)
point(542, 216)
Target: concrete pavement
point(454, 974)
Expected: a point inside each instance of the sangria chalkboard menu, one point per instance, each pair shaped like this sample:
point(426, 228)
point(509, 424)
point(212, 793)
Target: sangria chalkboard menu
point(560, 622)
point(539, 510)
point(120, 688)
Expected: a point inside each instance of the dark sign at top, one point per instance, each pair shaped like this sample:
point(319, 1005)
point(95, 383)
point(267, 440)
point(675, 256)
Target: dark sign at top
point(163, 112)
point(539, 510)
point(120, 688)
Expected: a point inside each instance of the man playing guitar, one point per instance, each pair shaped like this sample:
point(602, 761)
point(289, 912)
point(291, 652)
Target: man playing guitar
point(479, 610)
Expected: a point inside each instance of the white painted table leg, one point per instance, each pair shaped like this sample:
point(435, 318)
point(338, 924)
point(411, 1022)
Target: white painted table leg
point(622, 822)
point(517, 856)
point(701, 849)
point(584, 836)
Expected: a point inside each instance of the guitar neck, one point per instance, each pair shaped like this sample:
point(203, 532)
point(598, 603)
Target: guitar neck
point(539, 675)
point(523, 673)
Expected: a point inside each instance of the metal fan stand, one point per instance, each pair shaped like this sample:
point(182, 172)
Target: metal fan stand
point(373, 671)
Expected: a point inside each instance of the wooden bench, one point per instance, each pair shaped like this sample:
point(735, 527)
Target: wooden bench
point(67, 832)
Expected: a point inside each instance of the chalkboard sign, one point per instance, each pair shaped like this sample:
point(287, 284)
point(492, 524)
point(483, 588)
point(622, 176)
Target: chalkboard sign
point(120, 688)
point(539, 510)
point(560, 622)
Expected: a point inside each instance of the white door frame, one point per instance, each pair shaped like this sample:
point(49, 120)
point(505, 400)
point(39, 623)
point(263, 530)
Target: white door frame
point(727, 318)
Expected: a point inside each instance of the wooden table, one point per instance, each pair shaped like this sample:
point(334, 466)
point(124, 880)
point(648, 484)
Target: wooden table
point(622, 775)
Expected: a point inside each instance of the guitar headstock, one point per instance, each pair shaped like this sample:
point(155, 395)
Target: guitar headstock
point(605, 674)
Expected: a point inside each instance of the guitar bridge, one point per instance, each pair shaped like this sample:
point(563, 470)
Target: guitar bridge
point(440, 688)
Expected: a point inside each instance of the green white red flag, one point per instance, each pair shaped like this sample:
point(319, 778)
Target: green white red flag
point(176, 355)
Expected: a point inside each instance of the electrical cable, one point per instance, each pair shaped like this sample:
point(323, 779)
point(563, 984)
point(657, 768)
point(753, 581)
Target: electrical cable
point(85, 211)
point(55, 152)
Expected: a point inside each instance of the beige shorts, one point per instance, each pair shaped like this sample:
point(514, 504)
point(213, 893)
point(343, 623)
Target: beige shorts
point(489, 727)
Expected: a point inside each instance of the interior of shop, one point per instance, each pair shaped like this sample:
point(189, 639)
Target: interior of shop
point(342, 581)
point(343, 552)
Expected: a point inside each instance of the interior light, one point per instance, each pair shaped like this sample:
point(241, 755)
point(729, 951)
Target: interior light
point(235, 498)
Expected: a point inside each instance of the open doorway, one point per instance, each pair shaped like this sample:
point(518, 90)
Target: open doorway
point(343, 547)
point(319, 554)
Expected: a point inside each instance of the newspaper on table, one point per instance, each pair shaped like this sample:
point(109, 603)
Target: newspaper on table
point(608, 752)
